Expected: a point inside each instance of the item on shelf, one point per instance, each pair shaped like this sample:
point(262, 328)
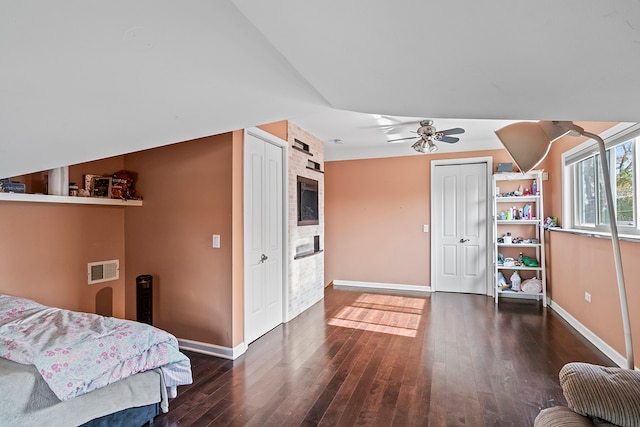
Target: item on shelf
point(507, 239)
point(551, 221)
point(508, 215)
point(88, 182)
point(101, 186)
point(500, 259)
point(8, 186)
point(515, 281)
point(73, 189)
point(534, 188)
point(502, 282)
point(529, 262)
point(509, 262)
point(122, 185)
point(531, 286)
point(502, 216)
point(505, 167)
point(526, 192)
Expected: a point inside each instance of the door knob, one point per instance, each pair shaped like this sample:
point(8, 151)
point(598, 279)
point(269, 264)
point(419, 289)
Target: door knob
point(263, 258)
point(464, 240)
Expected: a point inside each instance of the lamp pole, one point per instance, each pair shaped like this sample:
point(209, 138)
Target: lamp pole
point(626, 324)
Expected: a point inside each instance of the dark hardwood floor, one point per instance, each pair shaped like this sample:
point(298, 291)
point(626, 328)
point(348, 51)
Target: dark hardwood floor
point(367, 358)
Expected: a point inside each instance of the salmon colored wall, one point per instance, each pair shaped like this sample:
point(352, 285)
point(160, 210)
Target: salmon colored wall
point(579, 264)
point(237, 206)
point(46, 248)
point(374, 213)
point(585, 264)
point(279, 129)
point(187, 190)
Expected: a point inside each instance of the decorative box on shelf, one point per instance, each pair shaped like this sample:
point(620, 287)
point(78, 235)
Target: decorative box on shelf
point(8, 186)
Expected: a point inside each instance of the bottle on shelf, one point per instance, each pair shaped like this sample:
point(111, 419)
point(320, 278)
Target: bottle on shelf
point(515, 281)
point(534, 188)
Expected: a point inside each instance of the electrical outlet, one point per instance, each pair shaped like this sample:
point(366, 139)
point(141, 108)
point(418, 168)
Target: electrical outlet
point(216, 241)
point(425, 228)
point(587, 296)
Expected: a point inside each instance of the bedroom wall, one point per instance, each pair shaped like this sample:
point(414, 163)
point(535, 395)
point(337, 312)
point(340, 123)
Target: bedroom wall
point(374, 213)
point(45, 247)
point(579, 264)
point(188, 197)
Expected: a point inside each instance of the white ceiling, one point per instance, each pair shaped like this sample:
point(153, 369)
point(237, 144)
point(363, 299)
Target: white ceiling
point(85, 80)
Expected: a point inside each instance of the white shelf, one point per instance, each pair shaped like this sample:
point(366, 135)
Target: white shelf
point(518, 221)
point(45, 198)
point(517, 199)
point(520, 268)
point(531, 227)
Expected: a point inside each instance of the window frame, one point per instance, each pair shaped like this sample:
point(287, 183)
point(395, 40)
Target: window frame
point(589, 149)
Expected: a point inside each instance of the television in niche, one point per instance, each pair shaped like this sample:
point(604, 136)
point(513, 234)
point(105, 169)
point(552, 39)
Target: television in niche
point(307, 201)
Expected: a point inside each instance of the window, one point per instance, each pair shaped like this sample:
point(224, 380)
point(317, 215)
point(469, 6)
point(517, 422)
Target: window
point(585, 200)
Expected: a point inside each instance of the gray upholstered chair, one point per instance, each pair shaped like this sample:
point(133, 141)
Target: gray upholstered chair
point(597, 396)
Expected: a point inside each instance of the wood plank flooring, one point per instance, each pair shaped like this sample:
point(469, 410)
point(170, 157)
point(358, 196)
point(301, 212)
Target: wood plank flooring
point(372, 359)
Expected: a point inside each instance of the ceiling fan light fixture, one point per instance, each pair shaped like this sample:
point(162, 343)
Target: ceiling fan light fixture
point(432, 147)
point(420, 146)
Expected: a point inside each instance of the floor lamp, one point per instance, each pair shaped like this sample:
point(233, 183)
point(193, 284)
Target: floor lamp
point(528, 143)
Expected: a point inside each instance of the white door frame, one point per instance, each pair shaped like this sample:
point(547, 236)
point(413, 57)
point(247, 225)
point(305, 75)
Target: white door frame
point(465, 161)
point(272, 139)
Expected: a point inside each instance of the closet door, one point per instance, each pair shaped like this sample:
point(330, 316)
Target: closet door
point(264, 230)
point(459, 206)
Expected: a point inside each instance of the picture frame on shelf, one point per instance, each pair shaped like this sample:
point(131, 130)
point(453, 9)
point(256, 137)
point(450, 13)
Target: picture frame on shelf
point(88, 182)
point(102, 186)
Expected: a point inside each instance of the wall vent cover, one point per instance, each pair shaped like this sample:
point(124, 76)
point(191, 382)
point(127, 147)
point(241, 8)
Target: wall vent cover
point(103, 271)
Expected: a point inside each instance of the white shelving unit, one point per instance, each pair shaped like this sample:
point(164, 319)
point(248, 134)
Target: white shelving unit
point(45, 198)
point(527, 229)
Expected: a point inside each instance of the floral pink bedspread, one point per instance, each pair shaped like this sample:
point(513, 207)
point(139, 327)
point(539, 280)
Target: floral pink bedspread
point(80, 352)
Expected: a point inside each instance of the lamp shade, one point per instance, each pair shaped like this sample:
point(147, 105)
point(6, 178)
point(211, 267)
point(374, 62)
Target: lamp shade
point(526, 143)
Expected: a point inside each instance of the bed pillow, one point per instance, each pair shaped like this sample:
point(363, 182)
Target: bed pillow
point(611, 394)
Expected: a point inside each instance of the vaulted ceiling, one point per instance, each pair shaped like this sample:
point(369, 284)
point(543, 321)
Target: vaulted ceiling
point(85, 80)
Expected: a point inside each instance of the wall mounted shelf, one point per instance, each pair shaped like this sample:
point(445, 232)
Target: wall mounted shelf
point(45, 198)
point(308, 254)
point(301, 146)
point(314, 166)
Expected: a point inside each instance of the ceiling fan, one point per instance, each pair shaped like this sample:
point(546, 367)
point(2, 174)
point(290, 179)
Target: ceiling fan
point(427, 134)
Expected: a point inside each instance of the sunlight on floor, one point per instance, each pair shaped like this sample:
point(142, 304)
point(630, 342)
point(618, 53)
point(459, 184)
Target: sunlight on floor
point(382, 313)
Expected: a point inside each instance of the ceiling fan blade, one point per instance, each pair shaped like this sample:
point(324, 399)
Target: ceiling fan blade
point(453, 131)
point(394, 125)
point(392, 141)
point(449, 139)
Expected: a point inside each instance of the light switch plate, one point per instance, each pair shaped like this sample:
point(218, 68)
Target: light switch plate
point(425, 228)
point(216, 241)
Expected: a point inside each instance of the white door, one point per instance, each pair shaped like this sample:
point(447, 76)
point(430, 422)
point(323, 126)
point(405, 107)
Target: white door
point(459, 207)
point(263, 289)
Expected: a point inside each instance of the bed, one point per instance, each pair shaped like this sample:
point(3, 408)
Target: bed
point(65, 368)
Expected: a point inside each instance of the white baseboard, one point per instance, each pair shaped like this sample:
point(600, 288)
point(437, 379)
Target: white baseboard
point(376, 285)
point(609, 351)
point(212, 349)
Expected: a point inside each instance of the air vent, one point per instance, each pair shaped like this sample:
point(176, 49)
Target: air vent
point(103, 271)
